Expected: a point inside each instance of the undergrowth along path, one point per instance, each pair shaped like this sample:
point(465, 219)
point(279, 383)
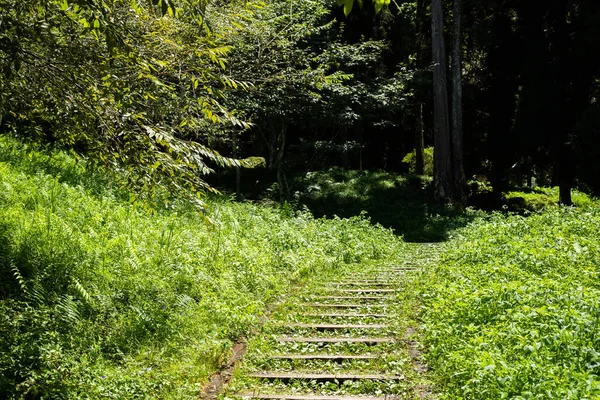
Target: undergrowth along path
point(345, 339)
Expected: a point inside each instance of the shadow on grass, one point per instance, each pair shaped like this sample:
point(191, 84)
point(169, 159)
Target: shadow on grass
point(403, 203)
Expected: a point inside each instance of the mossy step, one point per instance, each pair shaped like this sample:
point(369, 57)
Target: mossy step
point(326, 327)
point(335, 340)
point(364, 298)
point(324, 357)
point(286, 376)
point(266, 396)
point(363, 290)
point(337, 305)
point(365, 282)
point(351, 315)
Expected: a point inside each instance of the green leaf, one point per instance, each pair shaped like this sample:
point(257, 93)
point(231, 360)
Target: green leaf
point(348, 6)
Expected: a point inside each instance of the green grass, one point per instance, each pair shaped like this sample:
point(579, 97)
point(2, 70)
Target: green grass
point(400, 202)
point(513, 309)
point(542, 197)
point(103, 298)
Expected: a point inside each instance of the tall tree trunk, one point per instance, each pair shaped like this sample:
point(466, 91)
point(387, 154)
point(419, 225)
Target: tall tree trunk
point(458, 172)
point(238, 170)
point(419, 95)
point(442, 163)
point(503, 75)
point(281, 180)
point(419, 142)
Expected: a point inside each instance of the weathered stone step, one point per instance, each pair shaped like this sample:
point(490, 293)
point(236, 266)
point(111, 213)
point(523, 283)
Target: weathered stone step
point(334, 305)
point(324, 357)
point(328, 327)
point(401, 269)
point(367, 298)
point(365, 282)
point(366, 290)
point(265, 396)
point(286, 376)
point(351, 315)
point(334, 340)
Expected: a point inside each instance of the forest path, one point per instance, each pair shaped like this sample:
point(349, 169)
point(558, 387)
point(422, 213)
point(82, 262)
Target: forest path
point(346, 339)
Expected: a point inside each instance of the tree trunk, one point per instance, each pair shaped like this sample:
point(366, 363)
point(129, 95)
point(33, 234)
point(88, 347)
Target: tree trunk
point(565, 191)
point(419, 142)
point(442, 167)
point(419, 92)
point(238, 170)
point(458, 173)
point(280, 151)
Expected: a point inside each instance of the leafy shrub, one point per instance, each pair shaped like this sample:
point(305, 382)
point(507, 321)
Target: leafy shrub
point(513, 309)
point(541, 198)
point(411, 160)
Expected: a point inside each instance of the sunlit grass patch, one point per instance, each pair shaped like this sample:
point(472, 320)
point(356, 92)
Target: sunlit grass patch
point(512, 309)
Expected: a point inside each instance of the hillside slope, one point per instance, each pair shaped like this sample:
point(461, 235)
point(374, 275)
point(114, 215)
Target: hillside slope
point(100, 297)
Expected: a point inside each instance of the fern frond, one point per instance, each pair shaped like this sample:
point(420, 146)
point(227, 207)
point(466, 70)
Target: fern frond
point(18, 277)
point(37, 293)
point(68, 308)
point(80, 290)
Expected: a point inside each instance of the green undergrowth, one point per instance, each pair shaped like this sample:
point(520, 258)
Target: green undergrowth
point(544, 197)
point(103, 298)
point(513, 309)
point(401, 202)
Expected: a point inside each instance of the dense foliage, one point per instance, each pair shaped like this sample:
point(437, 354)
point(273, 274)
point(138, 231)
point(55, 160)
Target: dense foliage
point(102, 298)
point(120, 83)
point(113, 284)
point(512, 310)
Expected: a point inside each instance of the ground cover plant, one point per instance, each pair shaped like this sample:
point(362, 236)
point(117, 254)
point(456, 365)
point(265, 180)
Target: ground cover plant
point(512, 309)
point(401, 202)
point(101, 297)
point(539, 198)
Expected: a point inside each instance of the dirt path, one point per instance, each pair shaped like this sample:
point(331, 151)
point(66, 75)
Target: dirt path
point(341, 340)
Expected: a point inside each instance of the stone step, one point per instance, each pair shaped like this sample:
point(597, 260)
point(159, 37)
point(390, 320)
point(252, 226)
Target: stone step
point(365, 298)
point(266, 396)
point(323, 305)
point(351, 315)
point(366, 290)
point(324, 357)
point(365, 282)
point(329, 327)
point(286, 376)
point(335, 340)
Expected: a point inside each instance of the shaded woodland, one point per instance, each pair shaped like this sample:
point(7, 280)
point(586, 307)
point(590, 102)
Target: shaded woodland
point(157, 91)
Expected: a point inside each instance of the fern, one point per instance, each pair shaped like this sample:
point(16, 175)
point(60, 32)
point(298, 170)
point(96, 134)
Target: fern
point(37, 294)
point(83, 294)
point(19, 277)
point(68, 308)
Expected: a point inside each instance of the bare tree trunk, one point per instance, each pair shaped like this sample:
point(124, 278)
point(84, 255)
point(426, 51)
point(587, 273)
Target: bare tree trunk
point(238, 170)
point(280, 151)
point(419, 128)
point(458, 172)
point(419, 142)
point(442, 167)
point(565, 192)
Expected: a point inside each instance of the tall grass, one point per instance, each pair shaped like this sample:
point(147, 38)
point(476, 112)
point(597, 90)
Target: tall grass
point(103, 298)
